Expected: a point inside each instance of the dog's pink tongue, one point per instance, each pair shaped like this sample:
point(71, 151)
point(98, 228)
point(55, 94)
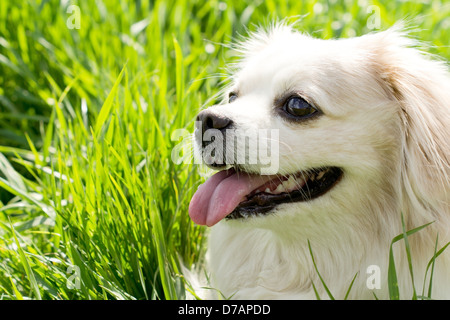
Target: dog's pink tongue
point(221, 194)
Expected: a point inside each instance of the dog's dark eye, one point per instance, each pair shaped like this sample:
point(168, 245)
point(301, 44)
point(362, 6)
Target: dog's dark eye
point(231, 97)
point(299, 107)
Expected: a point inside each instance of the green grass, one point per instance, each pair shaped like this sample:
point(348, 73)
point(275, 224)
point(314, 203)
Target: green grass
point(87, 184)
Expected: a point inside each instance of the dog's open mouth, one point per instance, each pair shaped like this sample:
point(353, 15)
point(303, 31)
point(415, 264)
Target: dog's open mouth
point(303, 186)
point(231, 194)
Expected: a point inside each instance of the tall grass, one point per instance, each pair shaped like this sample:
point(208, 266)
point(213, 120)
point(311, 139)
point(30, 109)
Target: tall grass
point(92, 205)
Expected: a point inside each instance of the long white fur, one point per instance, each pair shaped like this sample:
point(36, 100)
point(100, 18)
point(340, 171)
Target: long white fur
point(386, 123)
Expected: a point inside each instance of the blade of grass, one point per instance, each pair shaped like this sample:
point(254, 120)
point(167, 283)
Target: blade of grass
point(350, 287)
point(315, 291)
point(26, 265)
point(408, 256)
point(161, 254)
point(107, 105)
point(431, 264)
point(394, 293)
point(24, 194)
point(16, 292)
point(318, 273)
point(432, 270)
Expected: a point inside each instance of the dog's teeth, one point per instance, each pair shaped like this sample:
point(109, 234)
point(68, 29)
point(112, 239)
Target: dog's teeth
point(290, 184)
point(320, 175)
point(280, 188)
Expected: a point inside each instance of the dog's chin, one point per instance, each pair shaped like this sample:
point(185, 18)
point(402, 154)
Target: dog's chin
point(301, 186)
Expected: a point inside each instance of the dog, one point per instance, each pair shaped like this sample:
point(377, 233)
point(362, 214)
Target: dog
point(362, 132)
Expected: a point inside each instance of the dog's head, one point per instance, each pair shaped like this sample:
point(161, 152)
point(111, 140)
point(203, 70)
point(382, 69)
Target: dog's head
point(307, 125)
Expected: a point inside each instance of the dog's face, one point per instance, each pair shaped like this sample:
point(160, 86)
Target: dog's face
point(333, 124)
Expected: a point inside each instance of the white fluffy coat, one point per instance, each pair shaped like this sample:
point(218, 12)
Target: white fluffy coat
point(386, 124)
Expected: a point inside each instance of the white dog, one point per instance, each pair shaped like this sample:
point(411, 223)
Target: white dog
point(363, 128)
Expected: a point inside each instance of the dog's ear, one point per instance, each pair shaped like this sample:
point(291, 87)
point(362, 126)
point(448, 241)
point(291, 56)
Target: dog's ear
point(421, 87)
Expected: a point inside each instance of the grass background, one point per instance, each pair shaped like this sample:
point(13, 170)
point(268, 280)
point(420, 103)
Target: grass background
point(91, 204)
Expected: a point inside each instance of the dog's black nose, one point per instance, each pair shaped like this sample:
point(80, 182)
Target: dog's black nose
point(209, 120)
